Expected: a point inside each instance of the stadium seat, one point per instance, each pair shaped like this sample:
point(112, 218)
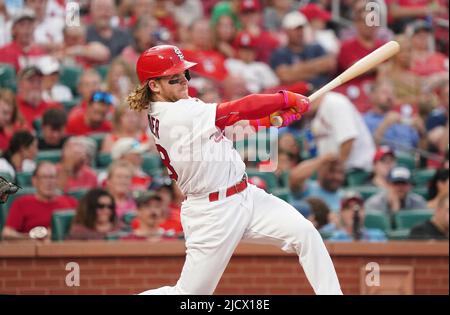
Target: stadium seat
point(98, 138)
point(24, 179)
point(366, 191)
point(285, 179)
point(406, 219)
point(61, 221)
point(128, 217)
point(406, 159)
point(53, 156)
point(269, 177)
point(282, 193)
point(69, 77)
point(421, 190)
point(7, 77)
point(103, 160)
point(422, 177)
point(377, 220)
point(3, 216)
point(77, 193)
point(151, 164)
point(6, 176)
point(102, 71)
point(37, 125)
point(401, 234)
point(69, 105)
point(357, 178)
point(326, 234)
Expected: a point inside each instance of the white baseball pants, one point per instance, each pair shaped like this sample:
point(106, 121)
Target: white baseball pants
point(214, 229)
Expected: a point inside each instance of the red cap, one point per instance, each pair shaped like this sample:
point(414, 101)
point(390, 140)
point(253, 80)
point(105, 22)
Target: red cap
point(381, 152)
point(258, 182)
point(250, 5)
point(244, 40)
point(313, 11)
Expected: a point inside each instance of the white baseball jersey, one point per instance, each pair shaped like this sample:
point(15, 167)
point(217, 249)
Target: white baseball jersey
point(197, 154)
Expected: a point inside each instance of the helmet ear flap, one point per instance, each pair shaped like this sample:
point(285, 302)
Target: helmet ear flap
point(187, 74)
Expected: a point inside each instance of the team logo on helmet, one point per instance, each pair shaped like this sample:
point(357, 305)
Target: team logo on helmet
point(179, 53)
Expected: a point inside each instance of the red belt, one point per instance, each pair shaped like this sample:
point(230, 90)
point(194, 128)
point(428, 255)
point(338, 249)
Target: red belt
point(241, 186)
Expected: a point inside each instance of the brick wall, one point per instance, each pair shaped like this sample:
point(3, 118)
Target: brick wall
point(132, 267)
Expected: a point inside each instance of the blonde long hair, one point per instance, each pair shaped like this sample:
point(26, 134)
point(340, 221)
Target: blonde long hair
point(140, 98)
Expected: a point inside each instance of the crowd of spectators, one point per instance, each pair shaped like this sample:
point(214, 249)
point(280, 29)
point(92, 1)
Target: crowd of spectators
point(68, 137)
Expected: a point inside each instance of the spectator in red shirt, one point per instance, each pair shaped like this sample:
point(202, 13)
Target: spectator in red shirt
point(34, 210)
point(89, 82)
point(29, 95)
point(21, 51)
point(94, 120)
point(73, 170)
point(149, 216)
point(95, 217)
point(199, 49)
point(119, 184)
point(10, 118)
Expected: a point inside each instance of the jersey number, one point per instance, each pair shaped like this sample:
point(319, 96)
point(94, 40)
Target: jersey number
point(166, 161)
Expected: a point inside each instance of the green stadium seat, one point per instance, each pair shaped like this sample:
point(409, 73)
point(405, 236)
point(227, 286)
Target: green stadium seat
point(152, 164)
point(423, 176)
point(129, 217)
point(53, 156)
point(103, 159)
point(285, 179)
point(98, 138)
point(69, 105)
point(269, 177)
point(366, 191)
point(37, 125)
point(61, 221)
point(8, 77)
point(406, 219)
point(422, 190)
point(3, 216)
point(357, 178)
point(102, 71)
point(406, 159)
point(400, 234)
point(77, 193)
point(6, 176)
point(377, 220)
point(69, 77)
point(326, 234)
point(282, 193)
point(24, 178)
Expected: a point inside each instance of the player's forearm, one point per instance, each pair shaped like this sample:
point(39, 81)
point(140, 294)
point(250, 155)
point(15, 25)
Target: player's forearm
point(345, 149)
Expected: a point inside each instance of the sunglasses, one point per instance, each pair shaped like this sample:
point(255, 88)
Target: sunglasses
point(105, 206)
point(102, 97)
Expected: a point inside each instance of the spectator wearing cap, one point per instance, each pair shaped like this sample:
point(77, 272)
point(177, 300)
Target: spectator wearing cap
point(10, 118)
point(317, 31)
point(76, 51)
point(101, 29)
point(36, 209)
point(328, 186)
point(199, 49)
point(351, 222)
point(119, 185)
point(383, 162)
point(386, 125)
point(298, 61)
point(29, 95)
point(20, 155)
point(130, 150)
point(275, 12)
point(94, 120)
point(438, 187)
point(128, 124)
point(339, 128)
point(22, 50)
point(53, 130)
point(95, 217)
point(224, 33)
point(437, 226)
point(258, 75)
point(425, 60)
point(398, 196)
point(150, 214)
point(250, 15)
point(73, 170)
point(48, 32)
point(53, 91)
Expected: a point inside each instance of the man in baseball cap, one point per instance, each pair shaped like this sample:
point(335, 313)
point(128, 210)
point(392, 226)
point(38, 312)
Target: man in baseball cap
point(398, 196)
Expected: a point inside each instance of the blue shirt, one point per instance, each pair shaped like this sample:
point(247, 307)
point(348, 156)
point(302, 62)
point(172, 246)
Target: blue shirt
point(397, 133)
point(313, 189)
point(284, 56)
point(436, 118)
point(370, 235)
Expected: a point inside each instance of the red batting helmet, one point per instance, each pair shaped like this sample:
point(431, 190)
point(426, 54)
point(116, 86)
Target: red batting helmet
point(159, 61)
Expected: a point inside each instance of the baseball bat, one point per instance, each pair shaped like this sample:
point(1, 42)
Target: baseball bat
point(361, 66)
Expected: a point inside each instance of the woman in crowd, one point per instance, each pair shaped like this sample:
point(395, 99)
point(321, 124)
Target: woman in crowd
point(20, 155)
point(438, 187)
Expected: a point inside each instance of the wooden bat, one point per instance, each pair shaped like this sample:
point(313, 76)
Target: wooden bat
point(361, 66)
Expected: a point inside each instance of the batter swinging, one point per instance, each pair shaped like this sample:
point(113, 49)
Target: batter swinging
point(221, 208)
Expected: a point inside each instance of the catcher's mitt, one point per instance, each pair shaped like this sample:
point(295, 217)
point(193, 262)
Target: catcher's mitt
point(7, 188)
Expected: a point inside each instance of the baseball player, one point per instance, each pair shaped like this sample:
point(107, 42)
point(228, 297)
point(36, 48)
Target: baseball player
point(221, 208)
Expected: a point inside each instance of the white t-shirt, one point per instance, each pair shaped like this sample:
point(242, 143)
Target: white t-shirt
point(337, 120)
point(49, 31)
point(257, 75)
point(6, 167)
point(202, 159)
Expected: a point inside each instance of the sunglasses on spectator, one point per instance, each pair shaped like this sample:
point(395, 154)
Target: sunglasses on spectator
point(105, 206)
point(102, 97)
